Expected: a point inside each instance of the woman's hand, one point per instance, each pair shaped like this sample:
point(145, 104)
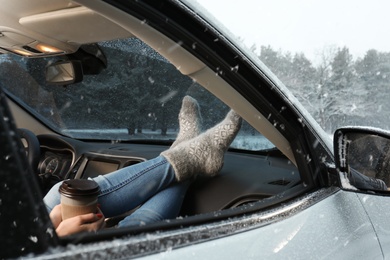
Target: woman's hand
point(56, 215)
point(87, 222)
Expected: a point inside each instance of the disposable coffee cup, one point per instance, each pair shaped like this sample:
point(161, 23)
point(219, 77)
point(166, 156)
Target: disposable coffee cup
point(78, 197)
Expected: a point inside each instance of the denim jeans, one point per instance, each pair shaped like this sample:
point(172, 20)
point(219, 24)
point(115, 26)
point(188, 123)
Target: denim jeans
point(151, 183)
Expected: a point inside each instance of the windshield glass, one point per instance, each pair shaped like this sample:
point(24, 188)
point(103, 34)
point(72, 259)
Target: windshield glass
point(136, 95)
point(334, 56)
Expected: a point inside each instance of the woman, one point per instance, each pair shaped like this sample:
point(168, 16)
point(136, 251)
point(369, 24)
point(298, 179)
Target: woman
point(158, 184)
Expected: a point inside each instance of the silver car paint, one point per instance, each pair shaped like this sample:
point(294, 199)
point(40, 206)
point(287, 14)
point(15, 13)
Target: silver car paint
point(378, 209)
point(335, 228)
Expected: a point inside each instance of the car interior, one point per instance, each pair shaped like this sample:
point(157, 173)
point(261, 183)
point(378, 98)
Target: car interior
point(47, 28)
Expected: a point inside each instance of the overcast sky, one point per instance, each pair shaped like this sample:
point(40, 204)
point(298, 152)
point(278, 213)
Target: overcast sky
point(307, 26)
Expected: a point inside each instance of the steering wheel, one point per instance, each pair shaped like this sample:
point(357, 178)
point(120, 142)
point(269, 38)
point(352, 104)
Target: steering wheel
point(31, 147)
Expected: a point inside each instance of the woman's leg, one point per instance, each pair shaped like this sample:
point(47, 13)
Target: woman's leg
point(124, 189)
point(164, 205)
point(203, 154)
point(129, 187)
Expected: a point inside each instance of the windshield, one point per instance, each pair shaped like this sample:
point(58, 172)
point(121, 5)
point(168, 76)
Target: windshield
point(136, 96)
point(334, 56)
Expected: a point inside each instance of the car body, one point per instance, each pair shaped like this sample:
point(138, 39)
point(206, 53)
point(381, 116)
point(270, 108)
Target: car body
point(283, 192)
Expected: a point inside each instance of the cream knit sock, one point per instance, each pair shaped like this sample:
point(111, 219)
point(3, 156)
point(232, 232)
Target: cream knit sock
point(190, 120)
point(205, 153)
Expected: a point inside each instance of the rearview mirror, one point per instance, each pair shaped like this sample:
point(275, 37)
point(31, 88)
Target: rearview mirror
point(64, 72)
point(363, 158)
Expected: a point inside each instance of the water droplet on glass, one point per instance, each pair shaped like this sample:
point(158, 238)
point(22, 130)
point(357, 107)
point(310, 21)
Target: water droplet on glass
point(49, 231)
point(33, 238)
point(235, 68)
point(151, 80)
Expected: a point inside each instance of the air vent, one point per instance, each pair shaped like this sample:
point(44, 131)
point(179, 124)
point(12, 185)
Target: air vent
point(280, 182)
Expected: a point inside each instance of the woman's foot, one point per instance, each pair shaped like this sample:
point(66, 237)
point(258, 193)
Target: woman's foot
point(205, 153)
point(190, 120)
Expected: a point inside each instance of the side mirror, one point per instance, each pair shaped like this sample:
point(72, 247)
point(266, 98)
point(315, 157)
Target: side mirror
point(64, 72)
point(363, 158)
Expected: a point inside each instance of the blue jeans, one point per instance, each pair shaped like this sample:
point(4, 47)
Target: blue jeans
point(151, 183)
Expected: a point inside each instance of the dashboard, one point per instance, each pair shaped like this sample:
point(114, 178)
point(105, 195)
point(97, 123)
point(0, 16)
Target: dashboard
point(55, 162)
point(65, 158)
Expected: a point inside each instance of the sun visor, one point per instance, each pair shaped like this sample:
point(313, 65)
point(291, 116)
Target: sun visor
point(77, 25)
point(9, 39)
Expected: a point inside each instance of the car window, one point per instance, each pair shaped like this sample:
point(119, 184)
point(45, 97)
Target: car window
point(137, 96)
point(333, 56)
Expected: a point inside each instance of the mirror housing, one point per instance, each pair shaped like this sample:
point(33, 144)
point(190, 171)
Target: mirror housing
point(64, 72)
point(363, 158)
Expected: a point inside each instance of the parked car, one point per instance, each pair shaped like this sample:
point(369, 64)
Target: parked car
point(89, 87)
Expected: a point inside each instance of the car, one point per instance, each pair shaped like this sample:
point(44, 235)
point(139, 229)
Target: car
point(90, 87)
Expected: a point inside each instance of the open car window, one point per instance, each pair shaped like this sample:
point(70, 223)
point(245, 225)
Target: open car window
point(137, 96)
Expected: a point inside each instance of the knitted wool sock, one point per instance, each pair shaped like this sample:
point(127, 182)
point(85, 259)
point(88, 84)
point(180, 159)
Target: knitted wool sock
point(205, 153)
point(189, 120)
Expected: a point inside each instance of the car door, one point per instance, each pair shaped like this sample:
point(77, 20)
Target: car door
point(378, 208)
point(334, 228)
